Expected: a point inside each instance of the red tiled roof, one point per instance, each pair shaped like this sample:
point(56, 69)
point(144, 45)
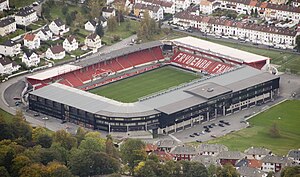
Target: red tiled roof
point(29, 37)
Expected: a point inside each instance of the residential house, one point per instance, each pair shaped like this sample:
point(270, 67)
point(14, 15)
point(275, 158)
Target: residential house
point(7, 25)
point(70, 44)
point(250, 172)
point(45, 34)
point(108, 12)
point(206, 160)
point(183, 152)
point(58, 27)
point(7, 66)
point(4, 5)
point(32, 41)
point(166, 144)
point(256, 152)
point(10, 48)
point(168, 6)
point(230, 157)
point(56, 52)
point(181, 5)
point(251, 32)
point(93, 41)
point(30, 58)
point(253, 163)
point(211, 149)
point(155, 12)
point(294, 154)
point(150, 148)
point(295, 3)
point(26, 16)
point(163, 156)
point(103, 21)
point(274, 163)
point(90, 25)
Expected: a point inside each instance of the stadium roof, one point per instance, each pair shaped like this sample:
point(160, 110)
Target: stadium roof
point(169, 102)
point(54, 72)
point(220, 50)
point(94, 59)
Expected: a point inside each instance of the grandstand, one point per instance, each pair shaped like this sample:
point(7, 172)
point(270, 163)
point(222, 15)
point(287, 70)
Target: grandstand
point(228, 86)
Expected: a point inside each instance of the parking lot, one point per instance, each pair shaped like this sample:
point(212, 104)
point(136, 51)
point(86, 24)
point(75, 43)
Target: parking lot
point(217, 127)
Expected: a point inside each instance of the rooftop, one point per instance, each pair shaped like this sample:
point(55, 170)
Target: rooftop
point(220, 49)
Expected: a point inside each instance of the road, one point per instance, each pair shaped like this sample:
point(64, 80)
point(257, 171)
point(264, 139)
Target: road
point(14, 86)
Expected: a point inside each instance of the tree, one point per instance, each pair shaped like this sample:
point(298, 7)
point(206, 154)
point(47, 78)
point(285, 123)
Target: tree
point(18, 163)
point(49, 155)
point(148, 27)
point(111, 24)
point(69, 19)
point(56, 169)
point(3, 172)
point(80, 134)
point(99, 30)
point(95, 7)
point(133, 152)
point(145, 169)
point(65, 9)
point(171, 169)
point(34, 170)
point(5, 129)
point(79, 19)
point(37, 132)
point(255, 13)
point(104, 164)
point(227, 171)
point(44, 140)
point(92, 144)
point(80, 162)
point(298, 43)
point(271, 174)
point(65, 139)
point(274, 131)
point(8, 158)
point(110, 148)
point(21, 129)
point(212, 170)
point(291, 171)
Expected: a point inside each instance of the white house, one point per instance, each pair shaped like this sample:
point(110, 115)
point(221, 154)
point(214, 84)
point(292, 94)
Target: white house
point(274, 163)
point(181, 5)
point(45, 34)
point(93, 41)
point(32, 41)
point(4, 5)
point(294, 154)
point(257, 153)
point(295, 3)
point(56, 52)
point(7, 66)
point(70, 44)
point(58, 27)
point(30, 58)
point(155, 12)
point(108, 12)
point(211, 149)
point(168, 6)
point(7, 25)
point(10, 48)
point(26, 16)
point(90, 25)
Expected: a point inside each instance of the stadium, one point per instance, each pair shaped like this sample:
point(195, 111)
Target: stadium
point(161, 86)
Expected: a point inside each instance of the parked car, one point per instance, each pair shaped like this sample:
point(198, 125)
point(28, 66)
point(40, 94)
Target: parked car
point(192, 136)
point(221, 125)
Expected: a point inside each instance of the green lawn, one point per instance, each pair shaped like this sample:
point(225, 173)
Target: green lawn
point(286, 115)
point(20, 3)
point(129, 90)
point(7, 117)
point(126, 29)
point(12, 35)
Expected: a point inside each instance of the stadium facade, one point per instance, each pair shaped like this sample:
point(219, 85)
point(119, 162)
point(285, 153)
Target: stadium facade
point(231, 88)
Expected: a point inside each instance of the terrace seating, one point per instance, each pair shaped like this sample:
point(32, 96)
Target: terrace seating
point(157, 53)
point(200, 63)
point(72, 79)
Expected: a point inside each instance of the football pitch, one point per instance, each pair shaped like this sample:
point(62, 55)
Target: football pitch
point(285, 115)
point(131, 89)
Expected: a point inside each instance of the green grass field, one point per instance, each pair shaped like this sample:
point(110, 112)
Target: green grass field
point(258, 135)
point(6, 116)
point(129, 90)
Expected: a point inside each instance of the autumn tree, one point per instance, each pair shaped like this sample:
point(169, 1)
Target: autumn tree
point(95, 7)
point(291, 171)
point(133, 152)
point(227, 170)
point(99, 30)
point(148, 27)
point(56, 169)
point(18, 163)
point(65, 139)
point(112, 24)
